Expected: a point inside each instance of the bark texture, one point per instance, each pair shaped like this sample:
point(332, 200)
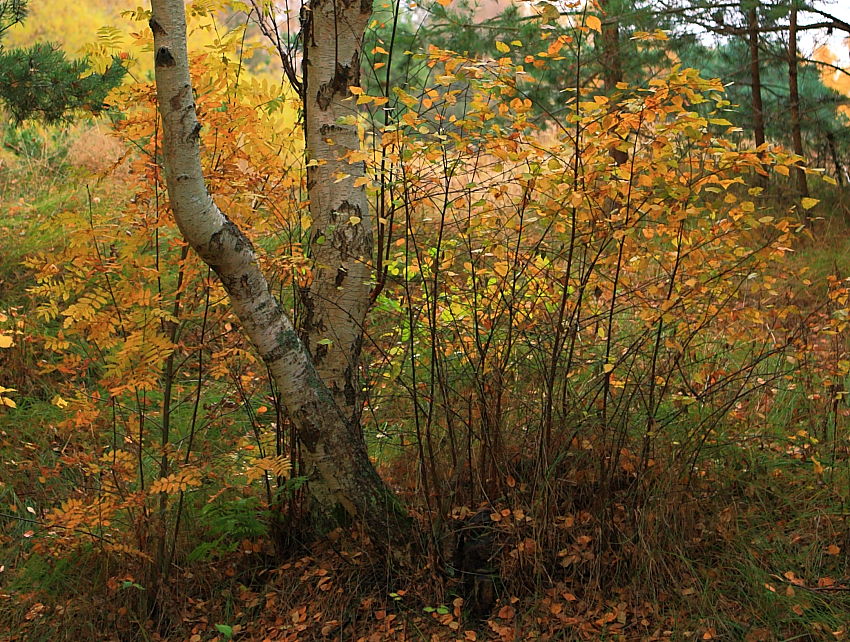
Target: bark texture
point(794, 95)
point(612, 61)
point(343, 480)
point(341, 233)
point(755, 78)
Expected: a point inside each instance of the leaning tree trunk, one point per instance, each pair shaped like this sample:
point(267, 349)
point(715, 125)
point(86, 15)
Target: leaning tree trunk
point(755, 80)
point(833, 152)
point(341, 232)
point(343, 480)
point(794, 94)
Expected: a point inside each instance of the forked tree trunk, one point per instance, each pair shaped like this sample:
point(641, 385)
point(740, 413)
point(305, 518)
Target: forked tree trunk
point(343, 480)
point(794, 94)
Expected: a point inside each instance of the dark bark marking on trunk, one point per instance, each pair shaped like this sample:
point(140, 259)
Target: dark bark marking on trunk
point(341, 273)
point(229, 234)
point(156, 28)
point(349, 391)
point(195, 133)
point(321, 352)
point(347, 209)
point(345, 76)
point(177, 99)
point(286, 342)
point(164, 58)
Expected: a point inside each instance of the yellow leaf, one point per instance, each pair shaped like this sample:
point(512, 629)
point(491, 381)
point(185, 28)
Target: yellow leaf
point(501, 268)
point(556, 45)
point(501, 46)
point(5, 341)
point(444, 3)
point(356, 91)
point(608, 367)
point(594, 23)
point(809, 203)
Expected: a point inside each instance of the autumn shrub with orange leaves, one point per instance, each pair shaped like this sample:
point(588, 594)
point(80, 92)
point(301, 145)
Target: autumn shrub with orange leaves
point(558, 339)
point(548, 303)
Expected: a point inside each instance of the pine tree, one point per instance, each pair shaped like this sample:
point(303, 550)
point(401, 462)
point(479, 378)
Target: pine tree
point(39, 82)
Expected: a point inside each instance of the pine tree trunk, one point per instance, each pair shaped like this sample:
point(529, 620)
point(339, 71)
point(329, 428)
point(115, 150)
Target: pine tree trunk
point(612, 61)
point(755, 81)
point(342, 478)
point(794, 94)
point(833, 151)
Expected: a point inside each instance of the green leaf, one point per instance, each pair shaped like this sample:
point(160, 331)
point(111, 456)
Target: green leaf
point(225, 630)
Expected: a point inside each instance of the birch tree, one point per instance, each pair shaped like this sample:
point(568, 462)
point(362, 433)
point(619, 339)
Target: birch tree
point(317, 380)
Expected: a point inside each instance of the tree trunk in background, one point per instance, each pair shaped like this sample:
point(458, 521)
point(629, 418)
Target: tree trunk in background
point(833, 151)
point(341, 232)
point(611, 60)
point(755, 81)
point(794, 94)
point(342, 479)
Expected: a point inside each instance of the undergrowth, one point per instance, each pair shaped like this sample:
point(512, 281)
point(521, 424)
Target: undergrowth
point(613, 397)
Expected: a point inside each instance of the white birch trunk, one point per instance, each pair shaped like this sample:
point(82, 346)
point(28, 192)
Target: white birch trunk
point(341, 233)
point(341, 475)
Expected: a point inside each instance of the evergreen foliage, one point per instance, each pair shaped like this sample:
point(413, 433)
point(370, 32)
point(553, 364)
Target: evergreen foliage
point(11, 13)
point(39, 82)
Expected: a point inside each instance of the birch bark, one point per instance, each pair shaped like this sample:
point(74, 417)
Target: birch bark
point(341, 233)
point(343, 480)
